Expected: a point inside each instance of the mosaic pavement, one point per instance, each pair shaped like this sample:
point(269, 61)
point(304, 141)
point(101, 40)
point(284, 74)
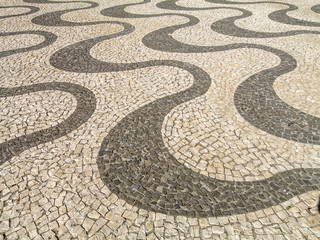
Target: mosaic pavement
point(159, 119)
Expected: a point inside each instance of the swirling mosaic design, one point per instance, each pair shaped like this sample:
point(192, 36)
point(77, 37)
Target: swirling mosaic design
point(133, 161)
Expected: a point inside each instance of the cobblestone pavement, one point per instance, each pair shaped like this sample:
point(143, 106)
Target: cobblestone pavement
point(159, 119)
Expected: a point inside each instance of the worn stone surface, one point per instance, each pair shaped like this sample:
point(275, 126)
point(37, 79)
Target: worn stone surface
point(159, 119)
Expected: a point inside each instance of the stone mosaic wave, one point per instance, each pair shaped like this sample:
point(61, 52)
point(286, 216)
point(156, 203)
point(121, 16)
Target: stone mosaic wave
point(86, 103)
point(49, 39)
point(255, 98)
point(227, 26)
point(133, 160)
point(32, 9)
point(54, 18)
point(277, 16)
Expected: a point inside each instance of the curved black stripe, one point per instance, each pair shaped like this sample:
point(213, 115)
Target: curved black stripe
point(277, 16)
point(254, 101)
point(119, 12)
point(54, 18)
point(49, 39)
point(255, 98)
point(32, 10)
point(86, 104)
point(228, 27)
point(76, 57)
point(135, 164)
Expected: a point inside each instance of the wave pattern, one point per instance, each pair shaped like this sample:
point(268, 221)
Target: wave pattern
point(54, 18)
point(32, 9)
point(49, 39)
point(133, 160)
point(86, 103)
point(277, 16)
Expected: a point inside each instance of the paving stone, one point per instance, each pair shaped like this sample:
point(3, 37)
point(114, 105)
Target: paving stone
point(159, 119)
